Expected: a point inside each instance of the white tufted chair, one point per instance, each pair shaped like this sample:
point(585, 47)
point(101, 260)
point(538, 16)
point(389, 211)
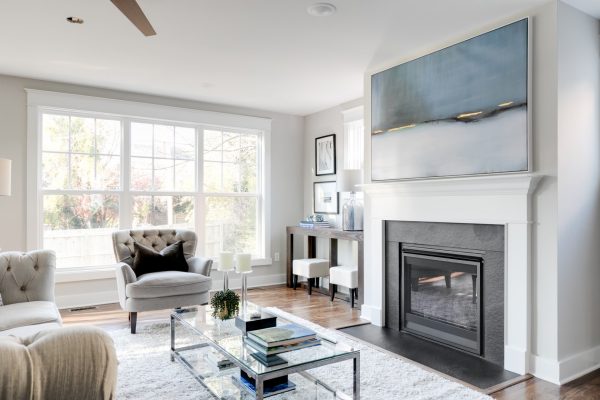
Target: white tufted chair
point(159, 290)
point(27, 291)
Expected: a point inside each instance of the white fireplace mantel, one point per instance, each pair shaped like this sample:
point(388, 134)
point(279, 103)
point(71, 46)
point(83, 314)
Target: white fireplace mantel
point(494, 199)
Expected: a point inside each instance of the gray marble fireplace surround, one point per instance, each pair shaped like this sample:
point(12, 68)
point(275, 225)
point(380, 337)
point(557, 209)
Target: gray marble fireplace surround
point(488, 240)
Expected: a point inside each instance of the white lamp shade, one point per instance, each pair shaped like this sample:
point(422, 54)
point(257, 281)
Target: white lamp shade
point(243, 263)
point(225, 261)
point(349, 178)
point(5, 167)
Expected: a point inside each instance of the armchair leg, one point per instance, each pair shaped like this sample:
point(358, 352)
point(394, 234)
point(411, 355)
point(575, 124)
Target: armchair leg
point(295, 281)
point(133, 319)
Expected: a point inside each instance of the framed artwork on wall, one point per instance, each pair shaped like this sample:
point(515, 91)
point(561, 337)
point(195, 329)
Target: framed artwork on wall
point(462, 110)
point(325, 155)
point(325, 198)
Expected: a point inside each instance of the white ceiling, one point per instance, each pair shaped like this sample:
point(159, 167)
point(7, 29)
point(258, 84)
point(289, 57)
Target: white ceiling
point(265, 54)
point(591, 7)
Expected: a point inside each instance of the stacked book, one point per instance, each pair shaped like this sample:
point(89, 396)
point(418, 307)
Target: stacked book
point(270, 342)
point(314, 224)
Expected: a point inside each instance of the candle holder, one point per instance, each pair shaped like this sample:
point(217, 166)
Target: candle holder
point(248, 321)
point(225, 265)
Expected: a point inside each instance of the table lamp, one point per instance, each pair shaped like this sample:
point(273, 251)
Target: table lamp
point(352, 210)
point(225, 265)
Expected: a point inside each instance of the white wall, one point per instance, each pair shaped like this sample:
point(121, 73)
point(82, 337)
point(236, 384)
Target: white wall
point(286, 177)
point(578, 192)
point(319, 124)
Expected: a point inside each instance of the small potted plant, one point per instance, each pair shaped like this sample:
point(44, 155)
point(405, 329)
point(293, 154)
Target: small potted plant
point(225, 304)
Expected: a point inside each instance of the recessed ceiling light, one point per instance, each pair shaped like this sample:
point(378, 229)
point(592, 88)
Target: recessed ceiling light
point(321, 9)
point(75, 20)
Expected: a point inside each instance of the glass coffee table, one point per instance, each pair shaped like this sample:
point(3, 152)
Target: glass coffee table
point(197, 339)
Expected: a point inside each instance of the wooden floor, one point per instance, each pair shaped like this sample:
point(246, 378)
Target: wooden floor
point(318, 309)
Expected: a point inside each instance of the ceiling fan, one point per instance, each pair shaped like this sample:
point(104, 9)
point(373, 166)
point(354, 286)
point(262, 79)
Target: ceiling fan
point(134, 13)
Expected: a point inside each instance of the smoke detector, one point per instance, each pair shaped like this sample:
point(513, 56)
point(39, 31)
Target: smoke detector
point(321, 9)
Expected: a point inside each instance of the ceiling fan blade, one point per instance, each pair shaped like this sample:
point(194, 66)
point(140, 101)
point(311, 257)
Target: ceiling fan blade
point(134, 13)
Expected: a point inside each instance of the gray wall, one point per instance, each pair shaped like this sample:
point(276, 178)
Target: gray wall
point(578, 185)
point(286, 168)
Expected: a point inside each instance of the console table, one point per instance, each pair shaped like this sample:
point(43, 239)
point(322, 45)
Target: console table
point(333, 235)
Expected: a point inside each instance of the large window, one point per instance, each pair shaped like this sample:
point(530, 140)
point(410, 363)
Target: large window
point(102, 172)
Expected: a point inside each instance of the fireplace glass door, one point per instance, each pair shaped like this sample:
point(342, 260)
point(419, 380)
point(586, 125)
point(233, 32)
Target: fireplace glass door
point(441, 298)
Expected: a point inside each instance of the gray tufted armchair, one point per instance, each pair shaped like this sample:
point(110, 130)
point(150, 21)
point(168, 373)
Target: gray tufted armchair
point(159, 290)
point(27, 291)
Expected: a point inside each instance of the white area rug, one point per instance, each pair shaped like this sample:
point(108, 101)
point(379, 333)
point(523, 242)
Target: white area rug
point(146, 372)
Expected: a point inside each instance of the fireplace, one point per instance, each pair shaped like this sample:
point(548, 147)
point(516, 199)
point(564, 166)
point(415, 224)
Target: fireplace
point(441, 295)
point(444, 282)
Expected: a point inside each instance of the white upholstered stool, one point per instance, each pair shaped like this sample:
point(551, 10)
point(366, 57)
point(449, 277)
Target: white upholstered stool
point(346, 277)
point(310, 268)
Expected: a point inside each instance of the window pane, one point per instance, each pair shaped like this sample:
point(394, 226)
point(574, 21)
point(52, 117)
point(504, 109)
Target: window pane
point(108, 136)
point(212, 176)
point(164, 144)
point(108, 172)
point(248, 163)
point(213, 144)
point(78, 228)
point(163, 211)
point(231, 147)
point(55, 171)
point(82, 172)
point(185, 143)
point(82, 135)
point(185, 176)
point(231, 225)
point(55, 136)
point(141, 173)
point(141, 139)
point(231, 177)
point(163, 174)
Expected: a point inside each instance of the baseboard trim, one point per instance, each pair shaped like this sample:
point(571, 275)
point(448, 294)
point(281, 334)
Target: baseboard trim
point(579, 364)
point(86, 299)
point(546, 369)
point(516, 360)
point(372, 314)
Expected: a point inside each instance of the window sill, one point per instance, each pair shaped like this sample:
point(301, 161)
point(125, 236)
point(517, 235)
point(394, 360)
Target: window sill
point(84, 274)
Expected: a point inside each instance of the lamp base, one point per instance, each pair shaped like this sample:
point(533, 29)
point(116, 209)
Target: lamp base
point(352, 214)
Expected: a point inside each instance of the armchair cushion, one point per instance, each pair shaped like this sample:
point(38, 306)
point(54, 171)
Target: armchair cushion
point(171, 258)
point(28, 313)
point(166, 284)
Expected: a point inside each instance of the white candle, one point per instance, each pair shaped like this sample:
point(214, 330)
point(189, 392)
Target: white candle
point(225, 261)
point(243, 263)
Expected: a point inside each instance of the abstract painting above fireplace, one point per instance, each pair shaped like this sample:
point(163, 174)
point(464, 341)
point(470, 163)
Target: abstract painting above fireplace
point(462, 110)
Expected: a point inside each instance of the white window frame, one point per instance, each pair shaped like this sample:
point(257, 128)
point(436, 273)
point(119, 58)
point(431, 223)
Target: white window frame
point(352, 116)
point(39, 101)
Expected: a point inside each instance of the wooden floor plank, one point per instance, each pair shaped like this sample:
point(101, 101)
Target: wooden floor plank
point(318, 309)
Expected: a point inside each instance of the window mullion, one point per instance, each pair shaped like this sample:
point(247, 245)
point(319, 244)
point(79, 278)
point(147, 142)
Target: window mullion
point(126, 201)
point(200, 203)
